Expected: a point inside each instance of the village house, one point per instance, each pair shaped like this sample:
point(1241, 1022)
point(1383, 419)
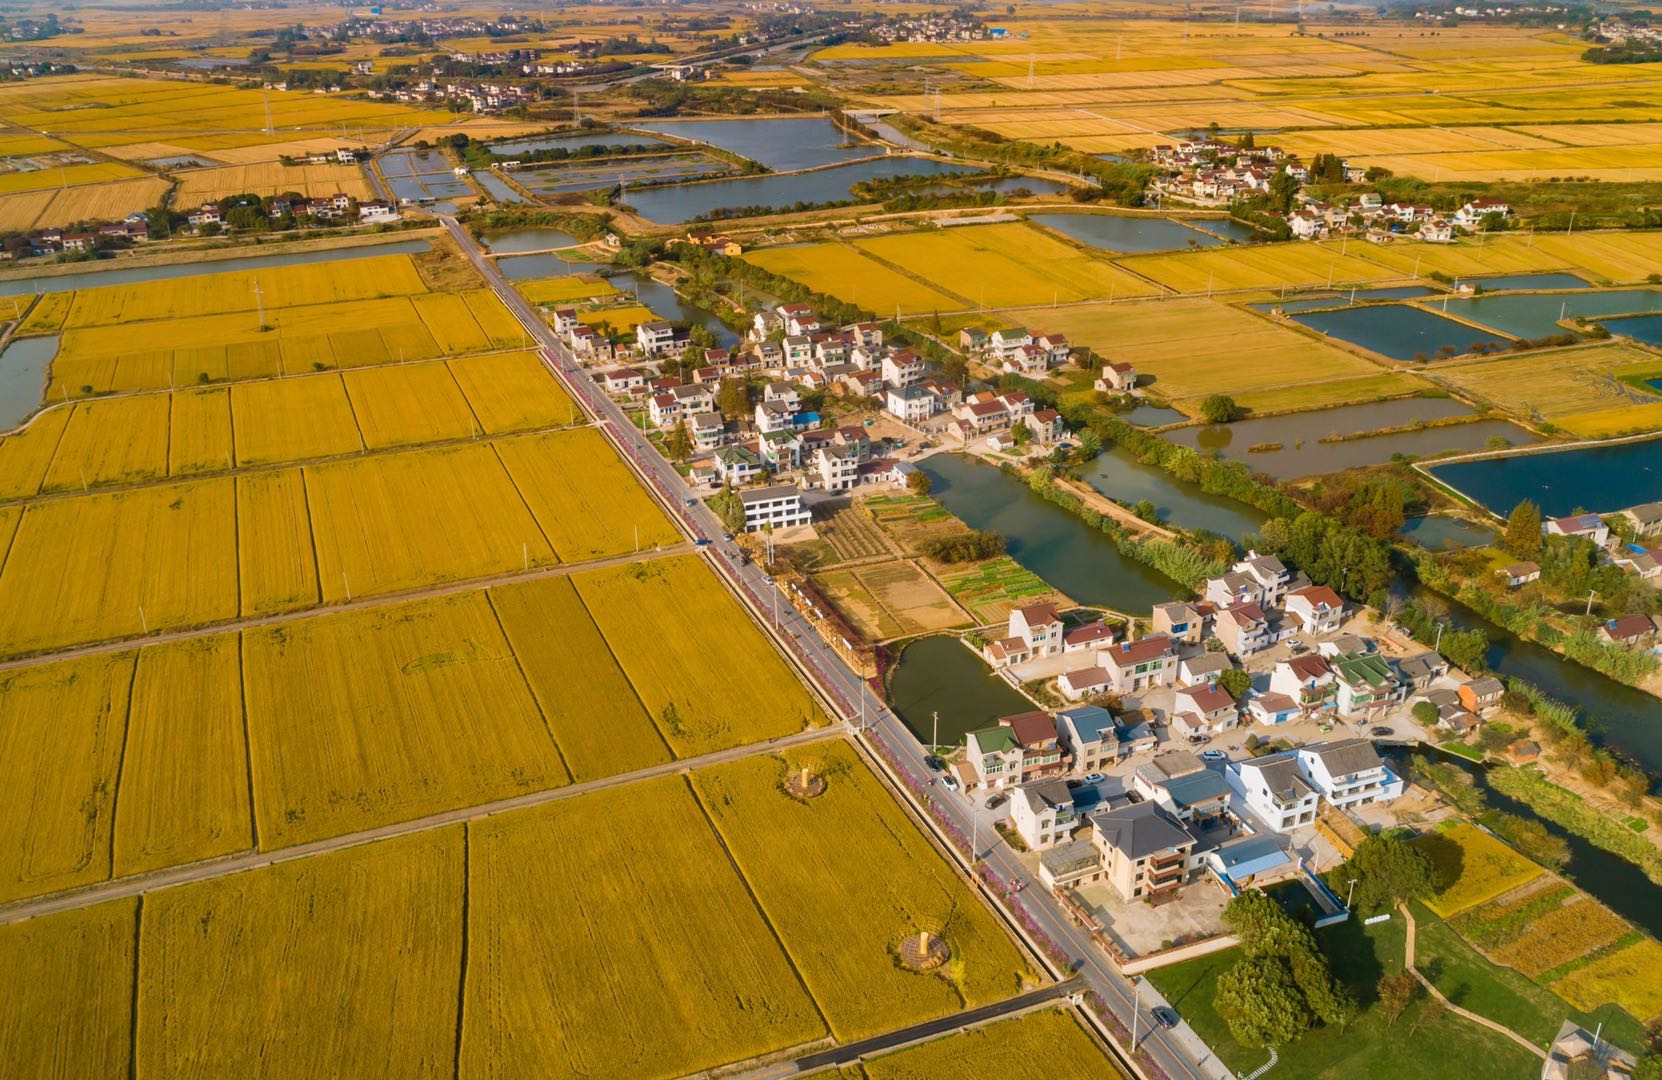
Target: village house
point(1519, 573)
point(1004, 343)
point(1203, 667)
point(1180, 621)
point(1043, 813)
point(1088, 735)
point(1273, 578)
point(623, 381)
point(1016, 750)
point(902, 368)
point(1419, 670)
point(1243, 628)
point(1589, 526)
point(1135, 666)
point(778, 507)
point(1275, 790)
point(1270, 708)
point(1366, 683)
point(1088, 638)
point(664, 410)
point(1233, 588)
point(973, 339)
point(1628, 630)
point(739, 465)
point(913, 404)
point(1481, 694)
point(1316, 608)
point(1307, 680)
point(1184, 788)
point(1143, 849)
point(774, 416)
point(1202, 711)
point(708, 430)
point(1348, 773)
point(1117, 378)
point(1646, 519)
point(1470, 215)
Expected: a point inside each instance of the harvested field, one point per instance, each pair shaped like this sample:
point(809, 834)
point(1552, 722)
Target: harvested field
point(363, 718)
point(856, 604)
point(679, 637)
point(850, 531)
point(113, 564)
point(566, 979)
point(184, 793)
point(270, 178)
point(62, 207)
point(367, 943)
point(910, 597)
point(71, 1009)
point(61, 730)
point(596, 718)
point(844, 878)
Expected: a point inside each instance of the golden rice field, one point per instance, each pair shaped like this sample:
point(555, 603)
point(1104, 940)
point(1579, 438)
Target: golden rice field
point(108, 201)
point(406, 404)
point(564, 290)
point(844, 878)
point(1023, 265)
point(568, 978)
point(1577, 389)
point(184, 787)
point(1630, 977)
point(71, 1007)
point(59, 803)
point(65, 176)
point(109, 565)
point(199, 432)
point(684, 671)
point(270, 178)
point(845, 272)
point(585, 696)
point(362, 718)
point(48, 314)
point(1507, 253)
point(361, 951)
point(1472, 868)
point(1193, 347)
point(272, 507)
point(1046, 1045)
point(1258, 267)
point(583, 497)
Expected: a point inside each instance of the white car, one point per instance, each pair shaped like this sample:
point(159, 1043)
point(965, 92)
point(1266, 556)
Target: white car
point(1096, 778)
point(949, 782)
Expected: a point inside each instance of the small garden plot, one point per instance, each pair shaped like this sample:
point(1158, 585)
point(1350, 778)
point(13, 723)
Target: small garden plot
point(911, 597)
point(990, 589)
point(1472, 868)
point(1630, 977)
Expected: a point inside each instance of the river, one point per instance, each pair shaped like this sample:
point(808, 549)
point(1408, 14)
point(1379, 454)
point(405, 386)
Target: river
point(1046, 539)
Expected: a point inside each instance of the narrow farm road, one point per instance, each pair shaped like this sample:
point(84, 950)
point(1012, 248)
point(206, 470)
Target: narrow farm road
point(235, 864)
point(864, 710)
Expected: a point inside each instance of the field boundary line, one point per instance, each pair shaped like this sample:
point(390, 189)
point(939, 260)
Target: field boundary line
point(137, 641)
point(187, 873)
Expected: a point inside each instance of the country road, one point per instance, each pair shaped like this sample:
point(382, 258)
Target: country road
point(864, 710)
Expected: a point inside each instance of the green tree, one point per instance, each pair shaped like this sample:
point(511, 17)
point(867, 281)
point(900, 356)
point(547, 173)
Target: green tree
point(680, 443)
point(1388, 871)
point(1090, 445)
point(733, 399)
point(1261, 1002)
point(1235, 682)
point(1523, 530)
point(1425, 714)
point(918, 483)
point(1021, 434)
point(1219, 409)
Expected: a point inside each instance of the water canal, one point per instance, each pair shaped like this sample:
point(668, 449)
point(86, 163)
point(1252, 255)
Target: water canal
point(1118, 474)
point(1049, 541)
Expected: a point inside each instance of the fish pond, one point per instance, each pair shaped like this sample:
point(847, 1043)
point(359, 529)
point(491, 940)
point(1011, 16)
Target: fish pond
point(23, 367)
point(782, 145)
point(1399, 331)
point(1118, 474)
point(1536, 315)
point(682, 202)
point(938, 677)
point(1602, 479)
point(1120, 233)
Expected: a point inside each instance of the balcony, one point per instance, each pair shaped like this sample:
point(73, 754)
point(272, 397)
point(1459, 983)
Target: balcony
point(1160, 863)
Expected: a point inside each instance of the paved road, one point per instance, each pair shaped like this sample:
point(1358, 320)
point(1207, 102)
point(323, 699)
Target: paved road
point(251, 860)
point(850, 695)
point(877, 1044)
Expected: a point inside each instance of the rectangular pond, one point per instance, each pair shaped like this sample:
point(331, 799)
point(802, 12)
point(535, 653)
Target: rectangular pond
point(782, 145)
point(521, 267)
point(23, 366)
point(1642, 328)
point(510, 147)
point(1056, 545)
point(1602, 479)
point(413, 163)
point(941, 690)
point(560, 179)
point(1119, 233)
point(1292, 447)
point(1535, 315)
point(680, 203)
point(517, 241)
point(498, 188)
point(119, 275)
point(1518, 282)
point(1399, 331)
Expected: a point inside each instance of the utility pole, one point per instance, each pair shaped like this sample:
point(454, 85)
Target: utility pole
point(935, 732)
point(1590, 594)
point(259, 300)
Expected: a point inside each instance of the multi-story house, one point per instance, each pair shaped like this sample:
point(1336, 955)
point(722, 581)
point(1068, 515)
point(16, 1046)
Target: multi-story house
point(1046, 425)
point(1271, 575)
point(1039, 626)
point(838, 467)
point(1348, 773)
point(1043, 813)
point(902, 368)
point(1136, 666)
point(1087, 734)
point(708, 430)
point(1316, 608)
point(1235, 587)
point(1180, 621)
point(1366, 683)
point(1203, 710)
point(1243, 628)
point(1144, 850)
point(779, 507)
point(913, 404)
point(1004, 343)
point(1275, 790)
point(1016, 750)
point(739, 465)
point(1308, 680)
